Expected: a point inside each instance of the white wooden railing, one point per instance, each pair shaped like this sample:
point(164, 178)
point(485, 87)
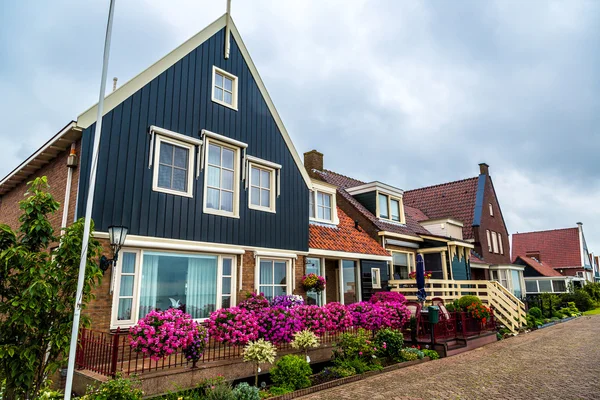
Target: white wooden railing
point(508, 309)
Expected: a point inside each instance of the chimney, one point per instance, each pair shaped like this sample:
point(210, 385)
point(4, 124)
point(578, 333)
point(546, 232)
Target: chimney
point(313, 160)
point(115, 79)
point(484, 169)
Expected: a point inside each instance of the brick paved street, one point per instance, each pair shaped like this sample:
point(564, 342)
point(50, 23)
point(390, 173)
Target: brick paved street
point(560, 362)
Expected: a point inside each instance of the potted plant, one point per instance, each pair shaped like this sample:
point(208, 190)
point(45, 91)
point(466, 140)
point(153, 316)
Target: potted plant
point(313, 283)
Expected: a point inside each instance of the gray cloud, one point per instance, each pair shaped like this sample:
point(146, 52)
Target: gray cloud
point(411, 93)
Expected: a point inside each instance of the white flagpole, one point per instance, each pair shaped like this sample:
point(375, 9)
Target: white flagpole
point(88, 209)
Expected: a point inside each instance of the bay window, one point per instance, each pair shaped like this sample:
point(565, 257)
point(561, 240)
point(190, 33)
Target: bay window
point(197, 284)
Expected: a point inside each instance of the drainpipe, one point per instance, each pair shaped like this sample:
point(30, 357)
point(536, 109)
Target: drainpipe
point(71, 165)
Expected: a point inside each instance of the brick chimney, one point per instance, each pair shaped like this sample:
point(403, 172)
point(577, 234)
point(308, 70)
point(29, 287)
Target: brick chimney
point(484, 169)
point(313, 160)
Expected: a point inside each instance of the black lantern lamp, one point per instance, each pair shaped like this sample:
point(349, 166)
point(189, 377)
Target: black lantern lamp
point(116, 235)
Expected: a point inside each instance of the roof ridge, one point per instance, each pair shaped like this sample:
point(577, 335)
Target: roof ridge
point(547, 230)
point(442, 184)
point(342, 175)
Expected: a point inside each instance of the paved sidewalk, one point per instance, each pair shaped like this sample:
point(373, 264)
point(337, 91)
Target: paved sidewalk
point(559, 362)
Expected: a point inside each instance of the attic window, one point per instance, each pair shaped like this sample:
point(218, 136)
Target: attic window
point(224, 88)
point(390, 208)
point(491, 210)
point(322, 204)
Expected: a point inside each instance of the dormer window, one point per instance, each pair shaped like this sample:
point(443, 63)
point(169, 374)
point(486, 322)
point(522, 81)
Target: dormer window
point(224, 88)
point(322, 203)
point(384, 201)
point(390, 208)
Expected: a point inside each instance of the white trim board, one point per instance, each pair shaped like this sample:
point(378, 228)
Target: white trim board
point(88, 117)
point(344, 255)
point(189, 245)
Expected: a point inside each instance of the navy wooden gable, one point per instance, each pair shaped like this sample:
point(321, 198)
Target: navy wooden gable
point(179, 99)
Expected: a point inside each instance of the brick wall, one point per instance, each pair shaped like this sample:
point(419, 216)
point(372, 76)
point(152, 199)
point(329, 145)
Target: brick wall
point(493, 223)
point(56, 172)
point(352, 212)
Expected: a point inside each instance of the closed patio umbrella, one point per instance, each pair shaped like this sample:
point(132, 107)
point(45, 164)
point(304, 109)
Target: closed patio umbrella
point(421, 293)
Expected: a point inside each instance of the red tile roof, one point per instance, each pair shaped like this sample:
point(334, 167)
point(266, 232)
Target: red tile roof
point(453, 199)
point(542, 267)
point(476, 258)
point(344, 237)
point(559, 248)
point(412, 226)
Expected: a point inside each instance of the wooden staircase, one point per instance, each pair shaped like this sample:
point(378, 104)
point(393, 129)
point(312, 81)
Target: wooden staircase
point(508, 309)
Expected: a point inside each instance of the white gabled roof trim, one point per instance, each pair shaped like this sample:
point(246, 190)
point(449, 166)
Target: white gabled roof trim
point(375, 186)
point(115, 98)
point(57, 144)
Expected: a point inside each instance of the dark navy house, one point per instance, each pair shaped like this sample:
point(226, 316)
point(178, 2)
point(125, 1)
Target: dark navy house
point(194, 159)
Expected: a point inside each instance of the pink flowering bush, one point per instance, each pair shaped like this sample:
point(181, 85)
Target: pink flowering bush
point(392, 297)
point(375, 316)
point(394, 315)
point(340, 318)
point(314, 318)
point(194, 350)
point(161, 333)
point(254, 302)
point(235, 325)
point(278, 324)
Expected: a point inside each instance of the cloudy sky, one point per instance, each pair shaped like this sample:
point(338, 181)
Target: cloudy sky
point(419, 91)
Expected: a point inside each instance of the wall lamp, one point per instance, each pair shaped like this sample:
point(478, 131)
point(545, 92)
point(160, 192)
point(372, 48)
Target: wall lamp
point(116, 235)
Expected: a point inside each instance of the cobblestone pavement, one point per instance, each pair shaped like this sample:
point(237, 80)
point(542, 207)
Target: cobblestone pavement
point(559, 362)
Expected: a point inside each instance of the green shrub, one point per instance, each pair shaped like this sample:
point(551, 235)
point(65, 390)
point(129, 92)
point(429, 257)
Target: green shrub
point(279, 390)
point(357, 364)
point(357, 345)
point(535, 312)
point(432, 354)
point(220, 391)
point(581, 298)
point(389, 342)
point(244, 391)
point(330, 374)
point(408, 355)
point(466, 301)
point(452, 307)
point(593, 289)
point(116, 389)
point(292, 372)
point(45, 394)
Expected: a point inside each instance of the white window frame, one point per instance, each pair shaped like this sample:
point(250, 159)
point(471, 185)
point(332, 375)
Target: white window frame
point(376, 278)
point(491, 208)
point(391, 198)
point(272, 190)
point(236, 179)
point(495, 242)
point(190, 147)
point(409, 261)
point(138, 278)
point(489, 240)
point(234, 86)
point(288, 271)
point(357, 277)
point(500, 245)
point(331, 191)
point(117, 289)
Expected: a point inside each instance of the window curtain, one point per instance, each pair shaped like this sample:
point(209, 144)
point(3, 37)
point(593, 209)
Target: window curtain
point(149, 286)
point(266, 279)
point(201, 296)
